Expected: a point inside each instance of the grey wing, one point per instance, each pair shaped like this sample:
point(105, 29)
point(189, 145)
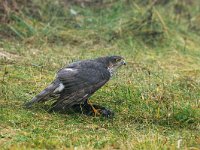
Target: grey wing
point(79, 84)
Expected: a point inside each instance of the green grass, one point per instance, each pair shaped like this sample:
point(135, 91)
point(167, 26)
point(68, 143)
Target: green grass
point(156, 97)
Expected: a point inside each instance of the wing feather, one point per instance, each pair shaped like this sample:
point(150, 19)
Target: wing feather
point(80, 83)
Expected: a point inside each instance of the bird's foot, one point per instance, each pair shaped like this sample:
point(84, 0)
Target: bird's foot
point(92, 110)
point(95, 111)
point(99, 110)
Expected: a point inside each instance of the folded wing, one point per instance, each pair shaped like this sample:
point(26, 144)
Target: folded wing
point(79, 84)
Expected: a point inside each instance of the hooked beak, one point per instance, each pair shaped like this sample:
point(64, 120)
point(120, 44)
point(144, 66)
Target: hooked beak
point(123, 62)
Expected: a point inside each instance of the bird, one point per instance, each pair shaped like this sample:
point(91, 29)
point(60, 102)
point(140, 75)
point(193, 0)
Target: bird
point(76, 82)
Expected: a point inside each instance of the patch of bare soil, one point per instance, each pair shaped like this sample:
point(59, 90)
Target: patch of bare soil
point(6, 134)
point(7, 55)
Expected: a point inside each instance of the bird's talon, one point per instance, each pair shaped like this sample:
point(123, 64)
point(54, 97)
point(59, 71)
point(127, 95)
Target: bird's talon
point(96, 112)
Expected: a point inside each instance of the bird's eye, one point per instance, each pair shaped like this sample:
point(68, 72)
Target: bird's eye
point(117, 59)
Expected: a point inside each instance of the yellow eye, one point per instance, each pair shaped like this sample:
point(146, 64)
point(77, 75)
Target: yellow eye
point(117, 59)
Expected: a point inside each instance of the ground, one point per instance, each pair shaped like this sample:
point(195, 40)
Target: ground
point(155, 97)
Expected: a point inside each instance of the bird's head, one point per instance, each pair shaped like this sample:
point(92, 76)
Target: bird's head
point(113, 62)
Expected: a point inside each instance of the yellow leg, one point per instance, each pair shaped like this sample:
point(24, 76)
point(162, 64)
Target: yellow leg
point(96, 111)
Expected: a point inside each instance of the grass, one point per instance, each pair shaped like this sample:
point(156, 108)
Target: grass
point(155, 97)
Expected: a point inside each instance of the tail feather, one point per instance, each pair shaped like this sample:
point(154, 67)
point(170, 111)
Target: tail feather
point(42, 96)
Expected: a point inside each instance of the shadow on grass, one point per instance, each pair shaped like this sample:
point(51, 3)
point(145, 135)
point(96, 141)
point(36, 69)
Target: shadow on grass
point(84, 109)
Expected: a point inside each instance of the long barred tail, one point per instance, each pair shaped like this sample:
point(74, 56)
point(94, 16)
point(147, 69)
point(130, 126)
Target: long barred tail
point(42, 96)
